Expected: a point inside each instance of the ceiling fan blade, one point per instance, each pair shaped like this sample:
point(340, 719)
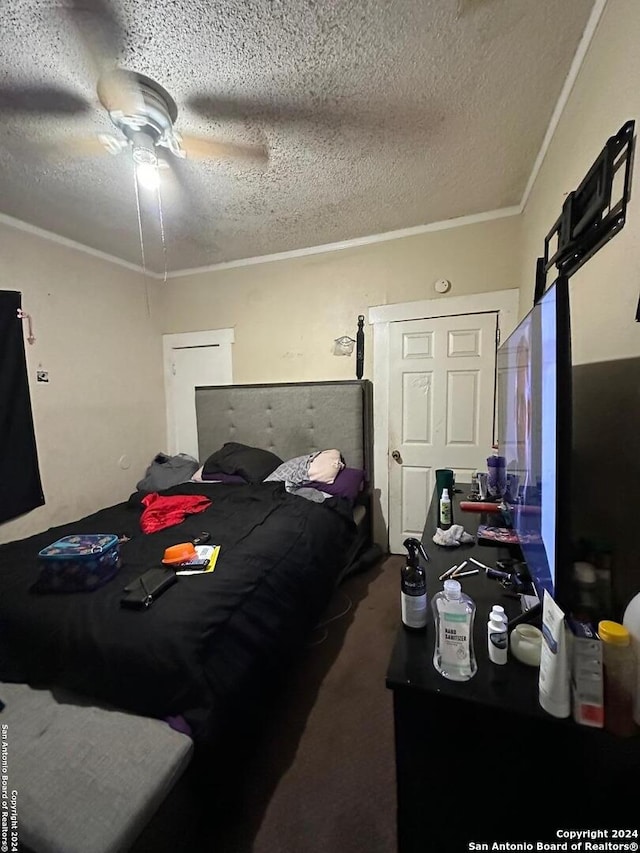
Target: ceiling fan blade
point(40, 99)
point(221, 107)
point(99, 29)
point(89, 146)
point(337, 114)
point(200, 147)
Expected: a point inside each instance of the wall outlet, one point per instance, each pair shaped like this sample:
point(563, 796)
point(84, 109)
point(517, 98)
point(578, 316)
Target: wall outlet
point(42, 375)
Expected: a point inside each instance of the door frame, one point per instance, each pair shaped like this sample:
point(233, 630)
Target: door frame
point(504, 302)
point(213, 337)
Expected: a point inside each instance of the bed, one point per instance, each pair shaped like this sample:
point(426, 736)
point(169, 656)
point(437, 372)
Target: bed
point(211, 646)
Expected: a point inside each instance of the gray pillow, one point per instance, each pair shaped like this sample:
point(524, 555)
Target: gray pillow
point(166, 471)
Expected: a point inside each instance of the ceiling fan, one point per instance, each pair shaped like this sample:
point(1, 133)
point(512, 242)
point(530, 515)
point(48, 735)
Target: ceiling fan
point(142, 112)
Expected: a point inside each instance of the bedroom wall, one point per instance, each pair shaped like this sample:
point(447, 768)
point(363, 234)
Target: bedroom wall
point(605, 95)
point(287, 313)
point(105, 396)
point(604, 297)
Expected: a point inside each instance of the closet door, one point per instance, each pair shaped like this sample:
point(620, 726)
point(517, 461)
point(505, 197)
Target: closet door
point(192, 359)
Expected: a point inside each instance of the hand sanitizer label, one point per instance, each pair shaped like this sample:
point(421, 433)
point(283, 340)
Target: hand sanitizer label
point(454, 640)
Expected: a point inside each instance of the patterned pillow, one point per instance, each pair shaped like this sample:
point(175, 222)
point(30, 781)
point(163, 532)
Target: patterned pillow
point(321, 466)
point(295, 470)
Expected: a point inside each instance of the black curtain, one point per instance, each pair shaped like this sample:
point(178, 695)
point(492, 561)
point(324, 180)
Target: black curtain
point(20, 486)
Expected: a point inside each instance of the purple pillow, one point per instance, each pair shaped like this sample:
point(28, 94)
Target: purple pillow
point(346, 485)
point(220, 477)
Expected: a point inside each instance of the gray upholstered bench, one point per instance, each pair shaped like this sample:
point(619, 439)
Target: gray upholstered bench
point(87, 779)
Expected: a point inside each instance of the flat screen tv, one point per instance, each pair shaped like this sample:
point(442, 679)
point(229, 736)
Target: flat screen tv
point(534, 434)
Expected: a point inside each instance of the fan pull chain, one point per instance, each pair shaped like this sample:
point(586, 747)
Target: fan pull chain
point(164, 244)
point(144, 262)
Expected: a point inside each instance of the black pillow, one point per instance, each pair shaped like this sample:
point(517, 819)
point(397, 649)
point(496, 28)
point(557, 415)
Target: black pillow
point(252, 463)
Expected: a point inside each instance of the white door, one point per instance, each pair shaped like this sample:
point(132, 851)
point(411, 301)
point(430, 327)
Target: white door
point(192, 359)
point(441, 408)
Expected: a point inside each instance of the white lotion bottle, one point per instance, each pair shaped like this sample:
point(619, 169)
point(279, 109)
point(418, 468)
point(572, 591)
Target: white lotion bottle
point(445, 510)
point(554, 692)
point(454, 613)
point(497, 640)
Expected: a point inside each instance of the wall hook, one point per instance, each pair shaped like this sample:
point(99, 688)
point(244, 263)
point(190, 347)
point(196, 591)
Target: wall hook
point(343, 345)
point(22, 315)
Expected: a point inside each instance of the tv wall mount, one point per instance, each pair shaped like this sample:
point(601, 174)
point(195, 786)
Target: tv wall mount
point(591, 214)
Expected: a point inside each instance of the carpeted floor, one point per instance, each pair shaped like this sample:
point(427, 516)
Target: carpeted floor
point(323, 777)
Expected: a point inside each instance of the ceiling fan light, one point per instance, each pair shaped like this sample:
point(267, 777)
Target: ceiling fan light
point(148, 175)
point(144, 156)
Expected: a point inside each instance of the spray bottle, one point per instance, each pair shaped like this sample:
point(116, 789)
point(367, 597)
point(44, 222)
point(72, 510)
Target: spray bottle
point(413, 583)
point(445, 510)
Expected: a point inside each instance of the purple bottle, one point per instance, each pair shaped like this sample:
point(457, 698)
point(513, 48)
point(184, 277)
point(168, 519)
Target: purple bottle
point(496, 475)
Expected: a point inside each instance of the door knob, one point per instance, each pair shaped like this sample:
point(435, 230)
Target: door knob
point(396, 455)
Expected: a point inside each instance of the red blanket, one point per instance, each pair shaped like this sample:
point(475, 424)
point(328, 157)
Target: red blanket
point(167, 510)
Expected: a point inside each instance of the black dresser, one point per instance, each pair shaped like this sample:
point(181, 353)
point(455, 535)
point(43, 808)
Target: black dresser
point(480, 762)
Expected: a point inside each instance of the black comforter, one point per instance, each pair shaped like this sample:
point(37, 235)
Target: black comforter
point(211, 644)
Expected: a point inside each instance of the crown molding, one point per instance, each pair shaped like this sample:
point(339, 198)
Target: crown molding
point(20, 225)
point(353, 243)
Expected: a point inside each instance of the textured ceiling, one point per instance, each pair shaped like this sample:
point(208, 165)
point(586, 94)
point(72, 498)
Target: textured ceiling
point(377, 115)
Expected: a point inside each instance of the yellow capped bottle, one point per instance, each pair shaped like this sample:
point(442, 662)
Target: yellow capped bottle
point(619, 670)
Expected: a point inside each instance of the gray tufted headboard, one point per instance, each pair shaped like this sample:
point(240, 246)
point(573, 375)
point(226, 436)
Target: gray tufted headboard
point(290, 419)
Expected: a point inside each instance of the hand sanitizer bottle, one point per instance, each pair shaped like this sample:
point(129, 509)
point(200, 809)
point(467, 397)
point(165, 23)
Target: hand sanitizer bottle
point(454, 612)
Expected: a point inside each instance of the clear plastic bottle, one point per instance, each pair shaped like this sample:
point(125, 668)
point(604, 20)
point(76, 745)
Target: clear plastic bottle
point(454, 612)
point(586, 598)
point(619, 669)
point(631, 621)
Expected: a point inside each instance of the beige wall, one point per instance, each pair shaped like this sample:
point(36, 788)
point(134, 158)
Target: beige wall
point(286, 314)
point(606, 94)
point(102, 345)
point(604, 297)
point(105, 396)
